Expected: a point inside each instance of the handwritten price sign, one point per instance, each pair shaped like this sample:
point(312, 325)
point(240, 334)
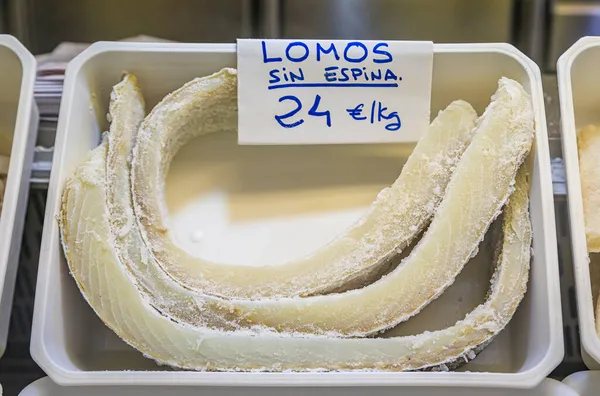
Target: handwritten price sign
point(333, 91)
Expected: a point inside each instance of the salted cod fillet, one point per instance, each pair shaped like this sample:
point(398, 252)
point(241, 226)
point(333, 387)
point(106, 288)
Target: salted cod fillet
point(447, 133)
point(479, 187)
point(398, 214)
point(107, 286)
point(126, 112)
point(588, 144)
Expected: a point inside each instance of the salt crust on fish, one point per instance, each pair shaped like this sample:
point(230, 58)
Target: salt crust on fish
point(398, 214)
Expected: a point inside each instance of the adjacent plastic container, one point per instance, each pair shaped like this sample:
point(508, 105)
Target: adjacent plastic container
point(579, 91)
point(584, 383)
point(18, 130)
point(73, 346)
point(45, 387)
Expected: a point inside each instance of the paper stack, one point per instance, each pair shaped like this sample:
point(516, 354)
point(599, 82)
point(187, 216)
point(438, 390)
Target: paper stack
point(48, 92)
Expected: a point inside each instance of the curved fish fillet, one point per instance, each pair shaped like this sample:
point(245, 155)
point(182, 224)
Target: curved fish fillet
point(398, 214)
point(126, 112)
point(110, 291)
point(448, 131)
point(480, 185)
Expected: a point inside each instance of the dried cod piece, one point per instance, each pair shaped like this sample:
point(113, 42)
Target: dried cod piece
point(447, 132)
point(110, 291)
point(588, 142)
point(479, 187)
point(398, 214)
point(126, 112)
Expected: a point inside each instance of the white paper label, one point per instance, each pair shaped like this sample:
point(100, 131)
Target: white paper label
point(333, 91)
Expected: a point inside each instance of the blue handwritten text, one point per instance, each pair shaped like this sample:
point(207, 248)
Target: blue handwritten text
point(377, 113)
point(353, 52)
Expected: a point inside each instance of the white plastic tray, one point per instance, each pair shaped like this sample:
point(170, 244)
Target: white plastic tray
point(585, 383)
point(246, 188)
point(579, 91)
point(18, 122)
point(45, 387)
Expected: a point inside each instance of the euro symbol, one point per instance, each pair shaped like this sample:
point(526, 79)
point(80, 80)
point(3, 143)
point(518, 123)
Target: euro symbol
point(356, 112)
